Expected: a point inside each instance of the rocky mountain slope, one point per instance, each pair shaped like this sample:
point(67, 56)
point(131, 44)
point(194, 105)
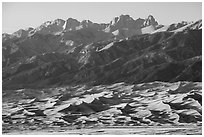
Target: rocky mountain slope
point(125, 50)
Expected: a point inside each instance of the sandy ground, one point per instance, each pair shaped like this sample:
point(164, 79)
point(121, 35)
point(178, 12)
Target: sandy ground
point(147, 108)
point(182, 130)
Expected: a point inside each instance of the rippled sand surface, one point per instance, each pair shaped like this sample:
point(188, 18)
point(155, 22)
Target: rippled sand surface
point(120, 108)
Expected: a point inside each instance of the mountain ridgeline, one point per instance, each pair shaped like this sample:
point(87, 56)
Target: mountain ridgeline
point(70, 52)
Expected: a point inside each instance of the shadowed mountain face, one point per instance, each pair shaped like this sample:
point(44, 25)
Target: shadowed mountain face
point(125, 50)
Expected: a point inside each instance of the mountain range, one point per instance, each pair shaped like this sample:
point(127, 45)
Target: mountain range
point(70, 52)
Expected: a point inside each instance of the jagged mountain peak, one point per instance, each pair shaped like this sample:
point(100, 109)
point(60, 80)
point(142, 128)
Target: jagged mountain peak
point(71, 24)
point(127, 23)
point(150, 17)
point(119, 27)
point(181, 26)
point(22, 32)
point(5, 34)
point(114, 20)
point(190, 26)
point(86, 23)
point(120, 23)
point(72, 20)
point(59, 22)
point(50, 27)
point(121, 18)
point(29, 29)
point(150, 20)
point(125, 17)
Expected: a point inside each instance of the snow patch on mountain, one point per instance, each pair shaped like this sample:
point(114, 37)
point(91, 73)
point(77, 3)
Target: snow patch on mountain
point(107, 46)
point(148, 29)
point(69, 43)
point(116, 32)
point(192, 25)
point(164, 28)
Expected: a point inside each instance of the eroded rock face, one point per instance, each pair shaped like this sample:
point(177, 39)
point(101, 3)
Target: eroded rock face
point(156, 103)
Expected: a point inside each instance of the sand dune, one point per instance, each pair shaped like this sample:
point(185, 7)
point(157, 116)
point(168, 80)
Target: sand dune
point(120, 104)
